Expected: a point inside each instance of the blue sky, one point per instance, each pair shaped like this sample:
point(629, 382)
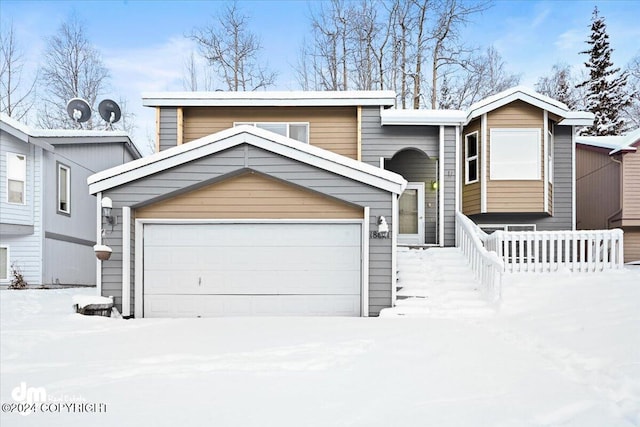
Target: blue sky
point(143, 42)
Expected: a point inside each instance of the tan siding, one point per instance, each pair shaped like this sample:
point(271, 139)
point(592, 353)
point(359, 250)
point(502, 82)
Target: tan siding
point(631, 188)
point(334, 128)
point(597, 188)
point(250, 196)
point(515, 196)
point(471, 192)
point(631, 244)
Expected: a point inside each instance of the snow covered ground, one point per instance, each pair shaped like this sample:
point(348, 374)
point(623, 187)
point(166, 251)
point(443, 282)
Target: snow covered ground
point(563, 350)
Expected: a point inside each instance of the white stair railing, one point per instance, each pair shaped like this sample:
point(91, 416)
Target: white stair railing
point(552, 251)
point(486, 265)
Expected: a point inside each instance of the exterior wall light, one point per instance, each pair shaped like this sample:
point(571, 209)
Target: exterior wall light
point(107, 206)
point(434, 185)
point(383, 227)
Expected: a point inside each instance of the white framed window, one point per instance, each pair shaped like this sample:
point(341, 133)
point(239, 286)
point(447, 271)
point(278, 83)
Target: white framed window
point(549, 150)
point(515, 154)
point(490, 228)
point(471, 157)
point(4, 263)
point(294, 130)
point(16, 178)
point(64, 189)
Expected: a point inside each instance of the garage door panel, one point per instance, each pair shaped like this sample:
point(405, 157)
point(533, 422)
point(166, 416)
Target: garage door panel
point(260, 269)
point(233, 305)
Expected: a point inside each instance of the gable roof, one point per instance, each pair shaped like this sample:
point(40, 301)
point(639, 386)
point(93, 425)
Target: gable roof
point(256, 137)
point(615, 143)
point(458, 117)
point(269, 99)
point(49, 138)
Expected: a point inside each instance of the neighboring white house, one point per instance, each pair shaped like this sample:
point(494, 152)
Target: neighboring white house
point(47, 216)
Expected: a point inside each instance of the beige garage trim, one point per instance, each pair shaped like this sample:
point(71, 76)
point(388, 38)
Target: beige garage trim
point(250, 196)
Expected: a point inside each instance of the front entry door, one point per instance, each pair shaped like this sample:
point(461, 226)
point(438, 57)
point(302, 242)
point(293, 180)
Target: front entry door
point(411, 216)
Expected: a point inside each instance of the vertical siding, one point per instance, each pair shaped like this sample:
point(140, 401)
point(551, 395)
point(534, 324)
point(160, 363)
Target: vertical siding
point(631, 187)
point(597, 188)
point(168, 129)
point(448, 162)
point(176, 181)
point(385, 141)
point(471, 192)
point(331, 128)
point(416, 167)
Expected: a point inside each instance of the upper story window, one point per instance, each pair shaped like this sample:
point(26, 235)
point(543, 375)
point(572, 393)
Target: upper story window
point(297, 131)
point(16, 178)
point(64, 189)
point(471, 158)
point(515, 154)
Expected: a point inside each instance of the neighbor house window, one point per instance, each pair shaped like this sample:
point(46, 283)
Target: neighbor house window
point(515, 154)
point(64, 189)
point(16, 178)
point(297, 131)
point(4, 263)
point(471, 157)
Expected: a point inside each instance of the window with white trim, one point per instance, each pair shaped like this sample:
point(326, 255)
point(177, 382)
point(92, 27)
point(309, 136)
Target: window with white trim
point(16, 178)
point(550, 148)
point(471, 157)
point(4, 263)
point(64, 189)
point(293, 130)
point(515, 154)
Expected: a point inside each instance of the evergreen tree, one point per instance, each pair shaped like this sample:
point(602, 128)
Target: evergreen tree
point(559, 85)
point(445, 100)
point(606, 87)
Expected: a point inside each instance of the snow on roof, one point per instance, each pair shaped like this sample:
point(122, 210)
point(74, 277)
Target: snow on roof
point(615, 143)
point(245, 134)
point(422, 117)
point(269, 98)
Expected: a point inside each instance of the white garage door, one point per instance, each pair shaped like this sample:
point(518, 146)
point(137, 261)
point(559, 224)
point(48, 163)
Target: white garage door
point(252, 269)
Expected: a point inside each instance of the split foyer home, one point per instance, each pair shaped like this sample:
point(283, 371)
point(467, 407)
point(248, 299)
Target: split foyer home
point(294, 203)
point(47, 218)
point(608, 187)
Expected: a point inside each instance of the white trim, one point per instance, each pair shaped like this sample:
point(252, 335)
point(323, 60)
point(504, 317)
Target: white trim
point(68, 189)
point(483, 164)
point(256, 137)
point(395, 227)
point(270, 99)
point(364, 290)
point(99, 242)
point(573, 178)
point(126, 261)
point(138, 301)
point(8, 266)
point(468, 159)
point(505, 227)
point(457, 170)
point(419, 237)
point(441, 187)
point(422, 117)
point(577, 118)
point(545, 153)
point(381, 162)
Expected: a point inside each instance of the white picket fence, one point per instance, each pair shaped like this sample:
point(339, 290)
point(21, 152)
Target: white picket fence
point(552, 251)
point(486, 265)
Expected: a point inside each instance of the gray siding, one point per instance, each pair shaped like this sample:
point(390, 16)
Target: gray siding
point(24, 250)
point(206, 170)
point(168, 128)
point(562, 218)
point(448, 163)
point(385, 141)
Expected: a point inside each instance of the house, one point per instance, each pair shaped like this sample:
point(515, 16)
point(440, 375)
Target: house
point(608, 187)
point(277, 203)
point(47, 218)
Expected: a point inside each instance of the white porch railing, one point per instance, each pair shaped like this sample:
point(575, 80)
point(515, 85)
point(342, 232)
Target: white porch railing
point(551, 251)
point(486, 265)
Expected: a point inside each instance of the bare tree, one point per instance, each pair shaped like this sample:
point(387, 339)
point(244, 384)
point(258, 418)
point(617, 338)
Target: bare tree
point(196, 76)
point(16, 96)
point(560, 85)
point(73, 69)
point(632, 112)
point(233, 51)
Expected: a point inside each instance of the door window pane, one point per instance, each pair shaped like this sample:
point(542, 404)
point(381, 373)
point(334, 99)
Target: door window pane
point(409, 212)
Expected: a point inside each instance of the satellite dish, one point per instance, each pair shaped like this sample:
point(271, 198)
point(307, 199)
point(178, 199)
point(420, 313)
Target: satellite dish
point(79, 110)
point(109, 111)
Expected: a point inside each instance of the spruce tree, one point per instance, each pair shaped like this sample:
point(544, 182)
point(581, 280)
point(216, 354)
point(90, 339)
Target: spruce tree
point(606, 88)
